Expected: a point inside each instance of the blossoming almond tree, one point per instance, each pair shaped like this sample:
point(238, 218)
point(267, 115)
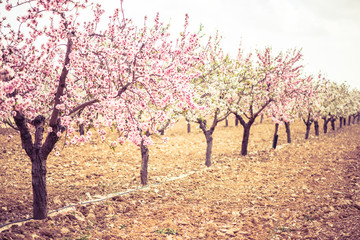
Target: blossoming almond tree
point(286, 116)
point(38, 51)
point(210, 89)
point(53, 67)
point(355, 98)
point(348, 103)
point(155, 73)
point(285, 109)
point(329, 103)
point(259, 84)
point(310, 107)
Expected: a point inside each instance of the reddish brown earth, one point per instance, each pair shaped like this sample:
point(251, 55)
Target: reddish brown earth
point(305, 190)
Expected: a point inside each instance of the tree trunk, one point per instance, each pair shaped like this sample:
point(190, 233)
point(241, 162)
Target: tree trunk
point(358, 118)
point(236, 122)
point(261, 118)
point(349, 120)
point(162, 132)
point(288, 133)
point(188, 127)
point(326, 121)
point(245, 140)
point(81, 129)
point(144, 163)
point(340, 122)
point(333, 124)
point(308, 126)
point(209, 144)
point(38, 174)
point(226, 122)
point(344, 119)
point(353, 119)
point(209, 139)
point(276, 136)
point(316, 126)
point(38, 153)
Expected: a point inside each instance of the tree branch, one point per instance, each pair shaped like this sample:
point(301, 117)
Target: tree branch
point(62, 84)
point(25, 135)
point(38, 122)
point(82, 106)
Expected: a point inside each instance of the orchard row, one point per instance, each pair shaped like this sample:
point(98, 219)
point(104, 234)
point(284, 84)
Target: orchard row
point(58, 74)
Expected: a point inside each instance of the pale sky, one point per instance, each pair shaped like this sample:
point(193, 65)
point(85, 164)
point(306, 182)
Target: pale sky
point(328, 31)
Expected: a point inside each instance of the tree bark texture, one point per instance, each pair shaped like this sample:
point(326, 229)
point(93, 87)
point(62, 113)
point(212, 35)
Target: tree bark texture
point(209, 145)
point(308, 126)
point(340, 122)
point(246, 131)
point(144, 163)
point(276, 136)
point(245, 140)
point(326, 121)
point(38, 174)
point(288, 132)
point(38, 153)
point(209, 139)
point(81, 129)
point(333, 124)
point(316, 127)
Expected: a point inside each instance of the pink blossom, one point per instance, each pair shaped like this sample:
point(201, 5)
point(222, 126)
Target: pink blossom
point(121, 140)
point(8, 7)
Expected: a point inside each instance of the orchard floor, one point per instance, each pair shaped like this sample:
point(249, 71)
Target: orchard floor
point(304, 190)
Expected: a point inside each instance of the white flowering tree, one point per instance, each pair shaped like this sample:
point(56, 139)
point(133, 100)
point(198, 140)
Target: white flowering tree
point(310, 108)
point(210, 90)
point(258, 84)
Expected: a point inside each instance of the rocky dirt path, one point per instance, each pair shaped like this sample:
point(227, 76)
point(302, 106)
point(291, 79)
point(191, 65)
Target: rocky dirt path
point(305, 190)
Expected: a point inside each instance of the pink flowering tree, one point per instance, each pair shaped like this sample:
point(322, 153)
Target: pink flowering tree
point(149, 77)
point(38, 50)
point(210, 90)
point(259, 84)
point(285, 109)
point(310, 107)
point(52, 67)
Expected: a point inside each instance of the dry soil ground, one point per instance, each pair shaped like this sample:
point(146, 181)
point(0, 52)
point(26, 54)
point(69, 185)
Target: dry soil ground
point(304, 190)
